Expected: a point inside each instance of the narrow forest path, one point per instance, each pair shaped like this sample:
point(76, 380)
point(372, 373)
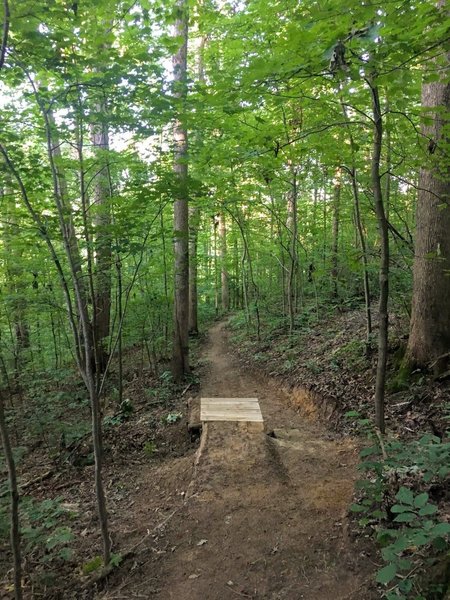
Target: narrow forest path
point(262, 518)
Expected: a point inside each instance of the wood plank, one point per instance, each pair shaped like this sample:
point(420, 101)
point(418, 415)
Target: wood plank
point(230, 407)
point(229, 400)
point(233, 418)
point(242, 410)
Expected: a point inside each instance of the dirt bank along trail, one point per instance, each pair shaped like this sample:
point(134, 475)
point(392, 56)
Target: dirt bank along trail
point(258, 517)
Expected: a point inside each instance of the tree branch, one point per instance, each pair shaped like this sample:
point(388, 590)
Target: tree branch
point(6, 19)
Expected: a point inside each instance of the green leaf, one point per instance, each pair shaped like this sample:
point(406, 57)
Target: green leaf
point(399, 508)
point(115, 560)
point(92, 565)
point(357, 508)
point(405, 496)
point(440, 544)
point(386, 574)
point(369, 451)
point(441, 529)
point(66, 553)
point(406, 517)
point(421, 500)
point(404, 564)
point(429, 509)
point(61, 536)
point(386, 535)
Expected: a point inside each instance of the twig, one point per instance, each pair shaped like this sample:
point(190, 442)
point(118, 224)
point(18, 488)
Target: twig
point(32, 482)
point(186, 389)
point(380, 439)
point(61, 486)
point(42, 477)
point(447, 354)
point(236, 592)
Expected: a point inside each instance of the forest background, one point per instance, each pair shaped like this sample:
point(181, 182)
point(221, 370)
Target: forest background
point(164, 163)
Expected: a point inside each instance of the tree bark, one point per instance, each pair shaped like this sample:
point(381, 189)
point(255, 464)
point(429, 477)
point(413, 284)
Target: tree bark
point(194, 222)
point(14, 502)
point(102, 224)
point(362, 242)
point(429, 340)
point(4, 42)
point(292, 228)
point(360, 231)
point(335, 238)
point(225, 295)
point(15, 283)
point(180, 356)
point(384, 259)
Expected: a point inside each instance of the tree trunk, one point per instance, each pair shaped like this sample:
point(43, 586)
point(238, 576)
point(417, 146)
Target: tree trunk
point(14, 500)
point(180, 355)
point(384, 260)
point(335, 238)
point(292, 228)
point(362, 242)
point(15, 283)
point(429, 340)
point(84, 344)
point(360, 232)
point(102, 223)
point(216, 274)
point(223, 263)
point(194, 222)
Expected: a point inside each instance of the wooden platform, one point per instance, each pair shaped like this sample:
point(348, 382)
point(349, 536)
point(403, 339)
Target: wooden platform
point(241, 410)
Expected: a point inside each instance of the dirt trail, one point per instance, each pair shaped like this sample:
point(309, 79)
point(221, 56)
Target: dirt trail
point(262, 518)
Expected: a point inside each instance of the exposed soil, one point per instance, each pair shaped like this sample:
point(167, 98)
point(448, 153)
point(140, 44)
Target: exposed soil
point(328, 362)
point(248, 515)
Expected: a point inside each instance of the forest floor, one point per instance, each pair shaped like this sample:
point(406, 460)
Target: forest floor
point(250, 516)
point(241, 514)
point(327, 363)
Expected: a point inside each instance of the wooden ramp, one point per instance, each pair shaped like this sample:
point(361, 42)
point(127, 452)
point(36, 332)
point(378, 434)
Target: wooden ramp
point(237, 410)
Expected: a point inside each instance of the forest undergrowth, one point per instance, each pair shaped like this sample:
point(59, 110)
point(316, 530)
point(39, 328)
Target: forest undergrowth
point(399, 518)
point(402, 499)
point(49, 420)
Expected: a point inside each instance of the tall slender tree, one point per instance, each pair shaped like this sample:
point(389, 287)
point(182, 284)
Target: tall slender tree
point(180, 354)
point(380, 382)
point(102, 221)
point(335, 239)
point(225, 294)
point(194, 219)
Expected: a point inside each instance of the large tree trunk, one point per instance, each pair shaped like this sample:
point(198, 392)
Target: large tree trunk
point(180, 357)
point(429, 340)
point(102, 223)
